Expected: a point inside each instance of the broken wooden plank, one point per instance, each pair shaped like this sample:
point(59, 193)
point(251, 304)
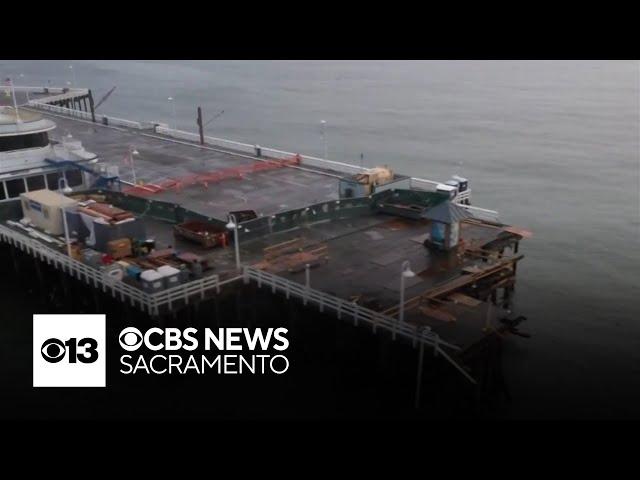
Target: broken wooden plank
point(465, 299)
point(438, 314)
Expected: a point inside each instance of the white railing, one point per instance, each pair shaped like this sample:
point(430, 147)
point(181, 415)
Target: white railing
point(419, 183)
point(121, 122)
point(50, 90)
point(424, 184)
point(213, 141)
point(70, 95)
point(341, 307)
point(61, 110)
point(463, 197)
point(150, 303)
point(481, 213)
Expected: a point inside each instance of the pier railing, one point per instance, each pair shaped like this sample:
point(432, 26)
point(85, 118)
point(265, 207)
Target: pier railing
point(308, 160)
point(81, 114)
point(415, 334)
point(147, 302)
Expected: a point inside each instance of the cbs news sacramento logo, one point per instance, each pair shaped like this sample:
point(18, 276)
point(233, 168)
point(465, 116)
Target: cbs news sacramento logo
point(69, 350)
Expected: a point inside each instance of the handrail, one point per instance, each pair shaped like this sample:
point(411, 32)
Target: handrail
point(84, 115)
point(249, 148)
point(150, 302)
point(358, 313)
point(376, 319)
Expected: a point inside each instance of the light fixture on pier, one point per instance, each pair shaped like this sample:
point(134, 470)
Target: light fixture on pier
point(323, 126)
point(133, 153)
point(173, 111)
point(233, 225)
point(405, 273)
point(73, 72)
point(26, 90)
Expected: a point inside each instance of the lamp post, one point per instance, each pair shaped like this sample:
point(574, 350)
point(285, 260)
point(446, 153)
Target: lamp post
point(133, 152)
point(73, 73)
point(233, 225)
point(405, 273)
point(26, 90)
point(15, 102)
point(323, 126)
point(173, 111)
point(66, 189)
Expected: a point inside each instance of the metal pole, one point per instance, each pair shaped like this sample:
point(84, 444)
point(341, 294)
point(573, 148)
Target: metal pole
point(173, 110)
point(236, 241)
point(405, 271)
point(26, 90)
point(133, 167)
point(200, 126)
point(324, 138)
point(173, 107)
point(307, 272)
point(66, 230)
point(15, 103)
point(73, 72)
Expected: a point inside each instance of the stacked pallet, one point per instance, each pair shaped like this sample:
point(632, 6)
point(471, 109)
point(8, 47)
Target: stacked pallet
point(105, 211)
point(293, 256)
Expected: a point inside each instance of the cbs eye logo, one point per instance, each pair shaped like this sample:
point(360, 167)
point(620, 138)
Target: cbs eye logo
point(130, 339)
point(54, 350)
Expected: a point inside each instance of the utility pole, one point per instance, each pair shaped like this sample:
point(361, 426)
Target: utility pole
point(91, 106)
point(200, 126)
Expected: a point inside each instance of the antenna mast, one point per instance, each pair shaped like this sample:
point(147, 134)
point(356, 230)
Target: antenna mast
point(15, 103)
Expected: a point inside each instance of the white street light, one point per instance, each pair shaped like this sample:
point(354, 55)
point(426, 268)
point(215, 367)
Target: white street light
point(27, 90)
point(233, 225)
point(66, 189)
point(73, 72)
point(323, 125)
point(66, 230)
point(133, 152)
point(15, 102)
point(173, 109)
point(405, 272)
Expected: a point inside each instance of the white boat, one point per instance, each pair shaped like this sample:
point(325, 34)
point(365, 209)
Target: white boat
point(30, 160)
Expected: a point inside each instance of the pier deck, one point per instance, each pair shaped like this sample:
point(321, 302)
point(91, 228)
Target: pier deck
point(160, 159)
point(357, 272)
point(365, 253)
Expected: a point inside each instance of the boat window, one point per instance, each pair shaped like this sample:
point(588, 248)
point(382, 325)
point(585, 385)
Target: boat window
point(15, 187)
point(74, 177)
point(52, 180)
point(35, 183)
point(2, 195)
point(19, 142)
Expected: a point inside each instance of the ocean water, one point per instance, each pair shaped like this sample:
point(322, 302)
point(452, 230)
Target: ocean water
point(553, 145)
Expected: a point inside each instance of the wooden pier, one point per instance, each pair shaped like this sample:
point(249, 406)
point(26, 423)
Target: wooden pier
point(337, 256)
